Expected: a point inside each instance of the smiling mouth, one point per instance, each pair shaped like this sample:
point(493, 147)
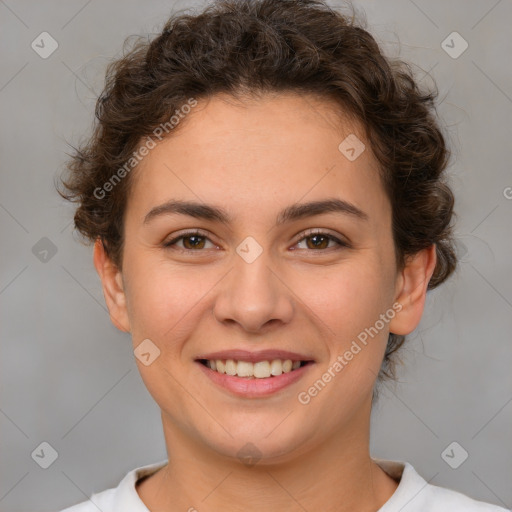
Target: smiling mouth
point(257, 370)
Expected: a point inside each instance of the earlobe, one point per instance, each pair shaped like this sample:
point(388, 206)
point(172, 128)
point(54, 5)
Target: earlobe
point(113, 289)
point(412, 289)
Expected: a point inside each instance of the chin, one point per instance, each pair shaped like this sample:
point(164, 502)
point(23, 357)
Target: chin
point(255, 443)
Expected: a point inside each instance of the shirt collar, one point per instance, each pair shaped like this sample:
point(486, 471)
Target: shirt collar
point(410, 485)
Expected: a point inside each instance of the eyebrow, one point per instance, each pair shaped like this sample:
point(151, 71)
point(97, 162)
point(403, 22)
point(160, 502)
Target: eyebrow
point(290, 213)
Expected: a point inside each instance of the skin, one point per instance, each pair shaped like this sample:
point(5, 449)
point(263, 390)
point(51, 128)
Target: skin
point(253, 158)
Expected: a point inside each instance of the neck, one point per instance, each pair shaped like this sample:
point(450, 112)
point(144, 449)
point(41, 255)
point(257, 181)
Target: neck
point(337, 475)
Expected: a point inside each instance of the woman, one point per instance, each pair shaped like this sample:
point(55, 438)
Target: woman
point(267, 198)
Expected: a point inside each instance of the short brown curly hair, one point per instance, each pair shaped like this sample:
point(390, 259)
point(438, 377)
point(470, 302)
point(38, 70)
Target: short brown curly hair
point(257, 46)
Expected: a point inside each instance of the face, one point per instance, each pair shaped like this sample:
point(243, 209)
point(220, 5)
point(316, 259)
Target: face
point(290, 257)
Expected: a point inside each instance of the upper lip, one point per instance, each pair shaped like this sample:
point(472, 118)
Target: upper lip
point(253, 357)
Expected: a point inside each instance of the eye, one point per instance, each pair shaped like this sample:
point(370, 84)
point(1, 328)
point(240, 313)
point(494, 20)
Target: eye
point(320, 240)
point(192, 241)
point(196, 240)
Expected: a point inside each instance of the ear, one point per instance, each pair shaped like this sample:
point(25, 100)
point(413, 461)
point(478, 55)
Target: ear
point(411, 290)
point(113, 290)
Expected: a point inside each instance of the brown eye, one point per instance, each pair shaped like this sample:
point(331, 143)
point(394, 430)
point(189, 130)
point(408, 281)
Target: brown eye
point(193, 241)
point(317, 241)
point(320, 241)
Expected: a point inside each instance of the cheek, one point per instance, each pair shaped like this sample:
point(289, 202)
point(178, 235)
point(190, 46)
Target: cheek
point(350, 301)
point(166, 306)
point(349, 298)
point(164, 302)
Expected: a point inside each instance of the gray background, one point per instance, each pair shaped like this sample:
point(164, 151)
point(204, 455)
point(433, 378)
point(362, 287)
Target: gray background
point(68, 377)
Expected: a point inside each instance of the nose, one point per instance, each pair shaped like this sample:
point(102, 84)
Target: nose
point(254, 296)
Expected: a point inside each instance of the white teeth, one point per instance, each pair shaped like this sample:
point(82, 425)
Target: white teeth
point(287, 366)
point(259, 370)
point(220, 366)
point(276, 367)
point(231, 367)
point(244, 369)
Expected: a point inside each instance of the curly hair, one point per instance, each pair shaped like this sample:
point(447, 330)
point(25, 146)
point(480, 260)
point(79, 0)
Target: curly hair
point(257, 46)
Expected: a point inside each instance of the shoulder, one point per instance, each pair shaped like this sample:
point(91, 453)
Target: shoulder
point(414, 494)
point(122, 498)
point(103, 501)
point(441, 499)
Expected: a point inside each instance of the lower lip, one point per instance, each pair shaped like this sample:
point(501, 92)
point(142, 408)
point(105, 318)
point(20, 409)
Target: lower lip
point(254, 388)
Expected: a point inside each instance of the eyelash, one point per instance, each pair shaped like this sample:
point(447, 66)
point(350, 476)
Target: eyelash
point(306, 234)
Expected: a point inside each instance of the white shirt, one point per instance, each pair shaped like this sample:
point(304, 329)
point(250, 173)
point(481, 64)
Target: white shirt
point(413, 494)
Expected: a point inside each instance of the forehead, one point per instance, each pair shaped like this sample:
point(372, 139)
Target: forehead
point(257, 154)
